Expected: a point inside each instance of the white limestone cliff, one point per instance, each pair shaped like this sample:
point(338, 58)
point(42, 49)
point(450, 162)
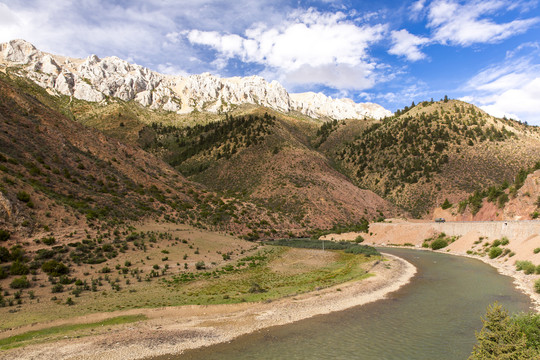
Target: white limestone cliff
point(94, 79)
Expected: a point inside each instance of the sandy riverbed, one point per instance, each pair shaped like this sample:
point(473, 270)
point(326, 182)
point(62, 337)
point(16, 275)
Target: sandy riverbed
point(175, 329)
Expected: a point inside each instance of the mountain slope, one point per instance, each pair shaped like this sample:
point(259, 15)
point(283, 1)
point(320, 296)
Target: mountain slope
point(97, 80)
point(269, 160)
point(436, 151)
point(57, 174)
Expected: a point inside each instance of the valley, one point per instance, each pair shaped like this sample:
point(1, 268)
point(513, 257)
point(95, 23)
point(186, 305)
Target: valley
point(137, 205)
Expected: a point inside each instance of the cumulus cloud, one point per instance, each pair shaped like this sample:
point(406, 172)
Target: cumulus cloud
point(407, 44)
point(309, 47)
point(147, 31)
point(466, 24)
point(510, 89)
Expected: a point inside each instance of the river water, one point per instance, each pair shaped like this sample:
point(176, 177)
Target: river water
point(433, 317)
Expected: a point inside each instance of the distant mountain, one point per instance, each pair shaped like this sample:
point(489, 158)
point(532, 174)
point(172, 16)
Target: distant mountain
point(96, 80)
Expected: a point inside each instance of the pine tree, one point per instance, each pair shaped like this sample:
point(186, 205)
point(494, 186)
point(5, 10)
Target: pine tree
point(501, 338)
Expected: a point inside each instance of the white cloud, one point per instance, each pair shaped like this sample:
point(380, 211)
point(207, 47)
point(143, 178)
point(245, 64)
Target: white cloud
point(144, 30)
point(465, 24)
point(511, 89)
point(407, 44)
point(309, 47)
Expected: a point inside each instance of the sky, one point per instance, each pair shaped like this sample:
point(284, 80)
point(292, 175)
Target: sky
point(486, 52)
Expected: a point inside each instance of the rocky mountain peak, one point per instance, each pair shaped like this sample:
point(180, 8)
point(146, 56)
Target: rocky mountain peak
point(94, 79)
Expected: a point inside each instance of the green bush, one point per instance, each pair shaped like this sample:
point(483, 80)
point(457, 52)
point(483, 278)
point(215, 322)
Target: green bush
point(58, 288)
point(525, 265)
point(496, 243)
point(48, 240)
point(199, 265)
point(5, 256)
point(529, 323)
point(446, 204)
point(4, 235)
point(18, 268)
point(20, 283)
point(537, 286)
point(359, 239)
point(23, 196)
point(495, 252)
point(439, 244)
point(537, 250)
point(54, 268)
point(505, 241)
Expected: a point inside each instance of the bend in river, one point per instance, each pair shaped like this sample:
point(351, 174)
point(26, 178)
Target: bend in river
point(433, 317)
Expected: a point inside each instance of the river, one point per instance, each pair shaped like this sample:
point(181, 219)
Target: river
point(433, 317)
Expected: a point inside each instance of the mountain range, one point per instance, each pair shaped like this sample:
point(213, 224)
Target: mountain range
point(96, 142)
point(94, 79)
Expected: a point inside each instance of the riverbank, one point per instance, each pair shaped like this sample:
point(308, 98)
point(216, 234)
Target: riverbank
point(173, 330)
point(524, 238)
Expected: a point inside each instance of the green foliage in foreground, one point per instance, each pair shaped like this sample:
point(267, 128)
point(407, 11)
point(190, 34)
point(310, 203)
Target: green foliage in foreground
point(38, 336)
point(348, 247)
point(505, 337)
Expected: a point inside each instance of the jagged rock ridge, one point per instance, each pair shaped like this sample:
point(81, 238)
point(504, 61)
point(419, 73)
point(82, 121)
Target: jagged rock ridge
point(94, 79)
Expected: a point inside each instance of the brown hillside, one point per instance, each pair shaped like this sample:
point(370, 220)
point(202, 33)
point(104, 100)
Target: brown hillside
point(58, 174)
point(284, 173)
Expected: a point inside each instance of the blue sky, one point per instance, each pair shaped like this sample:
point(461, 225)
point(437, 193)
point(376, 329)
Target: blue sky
point(486, 52)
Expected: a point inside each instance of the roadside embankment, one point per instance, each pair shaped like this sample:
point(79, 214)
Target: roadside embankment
point(472, 240)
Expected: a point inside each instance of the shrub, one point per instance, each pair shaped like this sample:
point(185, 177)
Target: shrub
point(446, 204)
point(359, 239)
point(4, 235)
point(537, 250)
point(439, 244)
point(23, 196)
point(525, 265)
point(54, 268)
point(20, 283)
point(48, 240)
point(495, 252)
point(537, 286)
point(4, 254)
point(70, 301)
point(496, 243)
point(58, 288)
point(200, 265)
point(505, 241)
point(18, 268)
point(529, 323)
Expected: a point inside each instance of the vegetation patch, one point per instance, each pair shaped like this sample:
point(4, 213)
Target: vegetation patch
point(506, 337)
point(346, 246)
